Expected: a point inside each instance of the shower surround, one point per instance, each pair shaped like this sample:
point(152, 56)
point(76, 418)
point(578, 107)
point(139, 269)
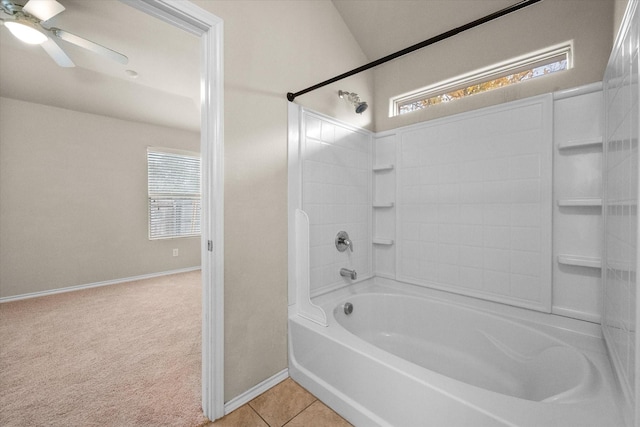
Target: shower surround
point(461, 204)
point(473, 203)
point(336, 196)
point(620, 262)
point(464, 205)
point(518, 219)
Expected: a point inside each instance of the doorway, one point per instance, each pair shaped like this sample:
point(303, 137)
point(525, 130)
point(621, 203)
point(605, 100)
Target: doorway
point(209, 28)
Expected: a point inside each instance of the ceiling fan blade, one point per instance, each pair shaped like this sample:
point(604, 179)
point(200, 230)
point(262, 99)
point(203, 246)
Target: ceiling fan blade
point(57, 54)
point(87, 44)
point(43, 9)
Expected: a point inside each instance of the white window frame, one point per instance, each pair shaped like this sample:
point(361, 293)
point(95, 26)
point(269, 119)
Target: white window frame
point(177, 196)
point(562, 51)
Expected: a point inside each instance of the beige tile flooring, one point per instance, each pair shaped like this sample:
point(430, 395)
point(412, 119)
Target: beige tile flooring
point(286, 404)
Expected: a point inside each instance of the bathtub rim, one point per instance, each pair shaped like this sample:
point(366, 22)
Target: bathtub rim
point(588, 373)
point(551, 322)
point(586, 338)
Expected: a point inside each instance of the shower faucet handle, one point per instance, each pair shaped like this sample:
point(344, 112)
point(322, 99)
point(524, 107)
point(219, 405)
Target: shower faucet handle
point(343, 242)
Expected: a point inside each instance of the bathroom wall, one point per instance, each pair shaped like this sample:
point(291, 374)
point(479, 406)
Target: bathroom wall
point(472, 246)
point(577, 206)
point(270, 48)
point(618, 13)
point(74, 199)
point(336, 195)
point(620, 319)
point(473, 203)
point(589, 23)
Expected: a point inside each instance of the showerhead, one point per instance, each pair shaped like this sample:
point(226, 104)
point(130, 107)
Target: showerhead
point(354, 99)
point(361, 107)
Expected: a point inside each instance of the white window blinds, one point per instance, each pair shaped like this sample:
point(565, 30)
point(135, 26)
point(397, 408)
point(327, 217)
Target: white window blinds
point(174, 193)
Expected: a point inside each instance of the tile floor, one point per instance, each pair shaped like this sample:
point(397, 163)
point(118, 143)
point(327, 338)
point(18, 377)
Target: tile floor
point(286, 404)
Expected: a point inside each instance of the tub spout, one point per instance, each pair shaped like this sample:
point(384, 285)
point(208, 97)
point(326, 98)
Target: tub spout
point(345, 272)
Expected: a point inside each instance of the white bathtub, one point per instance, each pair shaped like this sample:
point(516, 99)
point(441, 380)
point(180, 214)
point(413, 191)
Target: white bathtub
point(412, 357)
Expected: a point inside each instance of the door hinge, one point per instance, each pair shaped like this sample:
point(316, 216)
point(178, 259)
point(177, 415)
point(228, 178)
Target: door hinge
point(209, 245)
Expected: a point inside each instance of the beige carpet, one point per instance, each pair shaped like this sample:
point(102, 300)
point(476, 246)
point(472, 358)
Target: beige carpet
point(119, 355)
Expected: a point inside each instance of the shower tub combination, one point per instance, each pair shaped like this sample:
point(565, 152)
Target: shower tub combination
point(409, 356)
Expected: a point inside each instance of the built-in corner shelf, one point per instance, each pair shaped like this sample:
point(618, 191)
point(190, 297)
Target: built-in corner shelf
point(580, 261)
point(381, 168)
point(377, 241)
point(580, 202)
point(580, 143)
point(383, 205)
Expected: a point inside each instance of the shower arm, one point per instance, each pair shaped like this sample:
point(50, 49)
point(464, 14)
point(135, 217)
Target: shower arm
point(495, 15)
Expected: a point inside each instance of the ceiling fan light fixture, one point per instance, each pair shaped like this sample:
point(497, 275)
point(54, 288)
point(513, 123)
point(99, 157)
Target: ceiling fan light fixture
point(26, 31)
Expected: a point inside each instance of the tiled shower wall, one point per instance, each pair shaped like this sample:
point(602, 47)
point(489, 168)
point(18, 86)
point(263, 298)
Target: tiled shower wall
point(336, 195)
point(620, 207)
point(474, 203)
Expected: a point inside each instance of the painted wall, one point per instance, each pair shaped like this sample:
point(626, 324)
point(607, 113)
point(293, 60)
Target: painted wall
point(589, 23)
point(73, 191)
point(271, 48)
point(618, 13)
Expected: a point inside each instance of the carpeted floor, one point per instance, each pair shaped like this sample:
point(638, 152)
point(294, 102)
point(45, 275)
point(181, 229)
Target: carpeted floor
point(119, 355)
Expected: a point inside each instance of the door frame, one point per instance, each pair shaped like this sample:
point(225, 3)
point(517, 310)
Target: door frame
point(192, 18)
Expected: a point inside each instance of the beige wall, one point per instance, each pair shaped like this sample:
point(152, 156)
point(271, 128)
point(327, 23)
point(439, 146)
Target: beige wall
point(73, 205)
point(619, 9)
point(271, 48)
point(589, 23)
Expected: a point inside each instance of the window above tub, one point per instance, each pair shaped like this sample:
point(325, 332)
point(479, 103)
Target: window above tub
point(541, 63)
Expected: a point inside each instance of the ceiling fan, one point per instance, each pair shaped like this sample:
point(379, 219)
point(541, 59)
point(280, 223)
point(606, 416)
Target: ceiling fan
point(27, 23)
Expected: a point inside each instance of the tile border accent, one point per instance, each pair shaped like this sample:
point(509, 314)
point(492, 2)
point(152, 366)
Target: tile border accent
point(255, 391)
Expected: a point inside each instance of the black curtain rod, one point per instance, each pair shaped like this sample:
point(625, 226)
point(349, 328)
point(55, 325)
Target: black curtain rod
point(291, 96)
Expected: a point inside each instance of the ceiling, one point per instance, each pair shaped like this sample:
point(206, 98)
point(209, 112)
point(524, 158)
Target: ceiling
point(166, 91)
point(167, 60)
point(382, 27)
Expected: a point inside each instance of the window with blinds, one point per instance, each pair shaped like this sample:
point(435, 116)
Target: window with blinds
point(174, 193)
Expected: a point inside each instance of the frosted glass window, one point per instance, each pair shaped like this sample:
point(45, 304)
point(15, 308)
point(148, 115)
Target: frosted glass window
point(174, 193)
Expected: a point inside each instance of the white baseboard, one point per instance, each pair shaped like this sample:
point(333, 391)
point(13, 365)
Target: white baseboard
point(95, 285)
point(255, 391)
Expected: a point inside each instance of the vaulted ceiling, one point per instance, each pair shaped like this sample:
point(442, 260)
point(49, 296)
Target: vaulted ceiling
point(382, 27)
point(166, 59)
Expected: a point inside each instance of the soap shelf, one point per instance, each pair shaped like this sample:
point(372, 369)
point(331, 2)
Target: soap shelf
point(380, 168)
point(580, 143)
point(377, 241)
point(383, 205)
point(580, 202)
point(580, 261)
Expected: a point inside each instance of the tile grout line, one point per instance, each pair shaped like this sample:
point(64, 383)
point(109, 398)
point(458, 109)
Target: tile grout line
point(305, 408)
point(257, 413)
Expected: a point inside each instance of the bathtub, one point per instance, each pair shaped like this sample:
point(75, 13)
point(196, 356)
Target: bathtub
point(408, 356)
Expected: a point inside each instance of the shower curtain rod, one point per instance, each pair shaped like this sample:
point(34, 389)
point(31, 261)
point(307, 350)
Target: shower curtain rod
point(291, 96)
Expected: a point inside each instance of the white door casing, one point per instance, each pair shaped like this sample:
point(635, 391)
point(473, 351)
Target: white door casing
point(191, 18)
